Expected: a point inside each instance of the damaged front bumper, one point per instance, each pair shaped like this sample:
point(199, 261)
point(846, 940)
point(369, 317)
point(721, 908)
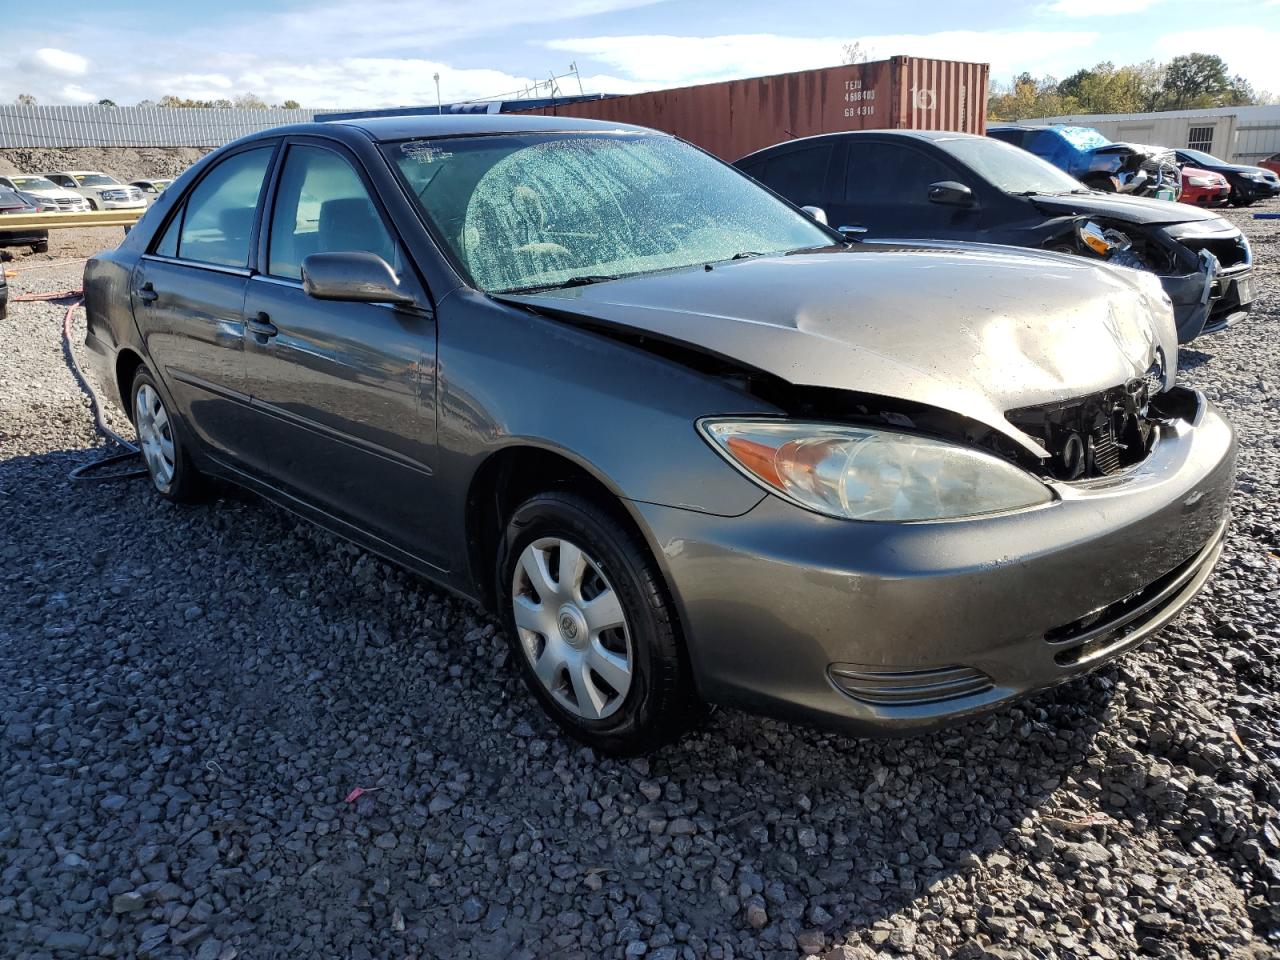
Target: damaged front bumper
point(1213, 297)
point(883, 627)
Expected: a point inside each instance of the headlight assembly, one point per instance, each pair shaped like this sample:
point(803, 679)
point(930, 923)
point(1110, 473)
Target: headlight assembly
point(862, 473)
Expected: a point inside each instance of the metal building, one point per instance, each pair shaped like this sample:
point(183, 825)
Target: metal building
point(1236, 134)
point(94, 126)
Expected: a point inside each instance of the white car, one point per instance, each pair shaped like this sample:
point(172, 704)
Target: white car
point(151, 189)
point(103, 191)
point(44, 188)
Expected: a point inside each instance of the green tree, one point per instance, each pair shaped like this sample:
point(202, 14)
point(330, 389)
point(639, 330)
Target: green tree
point(1195, 80)
point(290, 105)
point(106, 102)
point(1027, 97)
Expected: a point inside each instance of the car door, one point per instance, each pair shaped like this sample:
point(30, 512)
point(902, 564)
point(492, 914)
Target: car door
point(188, 299)
point(343, 393)
point(886, 191)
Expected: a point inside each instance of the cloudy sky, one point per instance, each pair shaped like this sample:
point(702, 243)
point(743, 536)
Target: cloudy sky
point(328, 53)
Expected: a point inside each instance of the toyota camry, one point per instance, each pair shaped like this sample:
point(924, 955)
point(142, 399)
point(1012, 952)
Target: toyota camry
point(689, 444)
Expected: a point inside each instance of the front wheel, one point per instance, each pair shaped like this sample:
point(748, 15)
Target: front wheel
point(160, 442)
point(591, 626)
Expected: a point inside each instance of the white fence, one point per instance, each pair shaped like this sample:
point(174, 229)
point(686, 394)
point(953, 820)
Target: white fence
point(135, 126)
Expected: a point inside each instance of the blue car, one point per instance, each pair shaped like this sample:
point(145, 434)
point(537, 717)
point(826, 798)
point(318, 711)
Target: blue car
point(1094, 160)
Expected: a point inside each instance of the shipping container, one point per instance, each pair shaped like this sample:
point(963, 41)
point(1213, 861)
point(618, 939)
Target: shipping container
point(736, 117)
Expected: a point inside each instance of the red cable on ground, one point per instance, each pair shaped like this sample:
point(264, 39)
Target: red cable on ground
point(60, 295)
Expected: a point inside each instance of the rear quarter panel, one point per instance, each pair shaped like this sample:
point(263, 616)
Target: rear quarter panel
point(109, 313)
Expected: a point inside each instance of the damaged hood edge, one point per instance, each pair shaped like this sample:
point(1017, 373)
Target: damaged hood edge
point(977, 331)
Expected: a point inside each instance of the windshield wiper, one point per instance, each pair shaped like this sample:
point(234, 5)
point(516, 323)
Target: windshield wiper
point(580, 281)
point(746, 255)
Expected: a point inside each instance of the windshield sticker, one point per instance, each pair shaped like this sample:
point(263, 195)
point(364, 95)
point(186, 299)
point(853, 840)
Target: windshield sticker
point(424, 152)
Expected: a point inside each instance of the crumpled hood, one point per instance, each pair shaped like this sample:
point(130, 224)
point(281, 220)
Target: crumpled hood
point(978, 330)
point(1147, 210)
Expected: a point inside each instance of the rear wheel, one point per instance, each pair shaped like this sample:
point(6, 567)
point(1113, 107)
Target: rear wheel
point(591, 626)
point(40, 246)
point(160, 442)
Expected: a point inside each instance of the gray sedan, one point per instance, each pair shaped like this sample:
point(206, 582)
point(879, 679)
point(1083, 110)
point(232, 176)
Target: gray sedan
point(691, 445)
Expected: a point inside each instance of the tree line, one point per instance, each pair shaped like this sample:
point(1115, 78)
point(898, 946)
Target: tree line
point(243, 101)
point(1191, 81)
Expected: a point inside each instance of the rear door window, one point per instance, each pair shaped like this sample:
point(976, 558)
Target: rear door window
point(799, 175)
point(888, 173)
point(216, 222)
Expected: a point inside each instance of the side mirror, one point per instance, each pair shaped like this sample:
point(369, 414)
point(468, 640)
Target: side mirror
point(817, 213)
point(951, 193)
point(355, 277)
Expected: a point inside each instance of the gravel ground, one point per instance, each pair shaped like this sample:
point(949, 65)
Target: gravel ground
point(188, 696)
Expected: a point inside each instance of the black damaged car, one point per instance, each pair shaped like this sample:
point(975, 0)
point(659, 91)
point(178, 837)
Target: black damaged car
point(919, 184)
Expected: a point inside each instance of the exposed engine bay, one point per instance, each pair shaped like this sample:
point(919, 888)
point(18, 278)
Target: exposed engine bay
point(1102, 434)
point(1124, 245)
point(1148, 171)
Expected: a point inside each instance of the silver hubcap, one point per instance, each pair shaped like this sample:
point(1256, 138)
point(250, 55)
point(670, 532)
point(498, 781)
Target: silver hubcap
point(155, 435)
point(572, 628)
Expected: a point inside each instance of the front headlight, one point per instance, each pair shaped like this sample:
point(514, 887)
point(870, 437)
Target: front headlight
point(862, 473)
point(1200, 181)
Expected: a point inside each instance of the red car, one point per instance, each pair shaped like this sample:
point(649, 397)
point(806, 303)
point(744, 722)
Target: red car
point(1272, 163)
point(1204, 188)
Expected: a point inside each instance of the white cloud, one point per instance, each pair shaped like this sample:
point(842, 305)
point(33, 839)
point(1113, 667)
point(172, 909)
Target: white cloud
point(52, 60)
point(666, 61)
point(1248, 51)
point(74, 93)
point(1098, 8)
point(318, 54)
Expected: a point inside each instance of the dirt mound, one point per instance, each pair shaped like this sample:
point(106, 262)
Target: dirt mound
point(123, 163)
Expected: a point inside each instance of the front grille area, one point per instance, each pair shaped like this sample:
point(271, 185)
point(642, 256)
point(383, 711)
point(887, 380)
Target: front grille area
point(1098, 435)
point(902, 687)
point(1229, 251)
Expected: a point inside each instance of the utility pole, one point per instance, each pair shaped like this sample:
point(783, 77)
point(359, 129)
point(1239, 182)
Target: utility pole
point(439, 106)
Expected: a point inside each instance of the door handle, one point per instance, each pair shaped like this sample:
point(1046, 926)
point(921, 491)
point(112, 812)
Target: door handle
point(261, 327)
point(148, 293)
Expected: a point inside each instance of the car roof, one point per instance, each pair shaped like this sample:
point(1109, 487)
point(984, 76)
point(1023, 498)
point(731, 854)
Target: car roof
point(932, 136)
point(453, 125)
point(74, 173)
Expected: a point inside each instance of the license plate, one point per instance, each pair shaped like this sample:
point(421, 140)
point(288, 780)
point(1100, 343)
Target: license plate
point(1244, 290)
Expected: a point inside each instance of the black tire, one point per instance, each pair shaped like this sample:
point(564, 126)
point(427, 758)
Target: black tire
point(41, 246)
point(660, 703)
point(186, 484)
point(1243, 203)
point(93, 204)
